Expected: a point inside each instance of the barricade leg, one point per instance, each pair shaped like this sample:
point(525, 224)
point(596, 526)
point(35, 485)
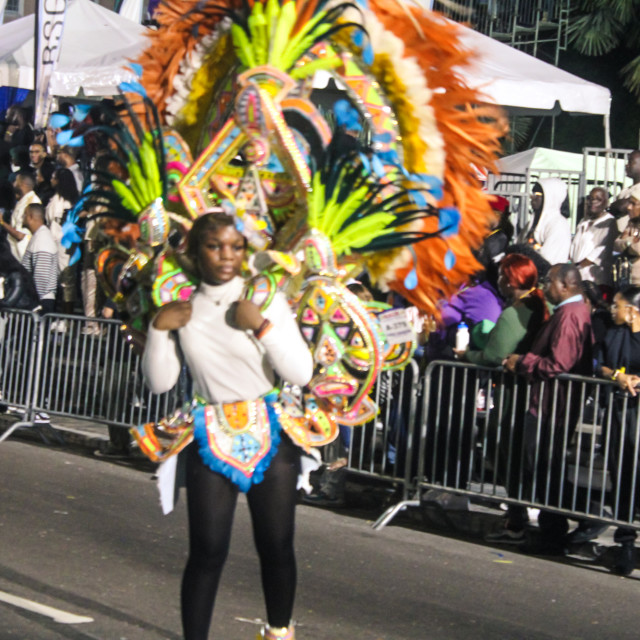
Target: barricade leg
point(392, 512)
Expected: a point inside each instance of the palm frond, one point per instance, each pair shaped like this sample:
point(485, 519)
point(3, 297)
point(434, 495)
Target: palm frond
point(596, 33)
point(631, 73)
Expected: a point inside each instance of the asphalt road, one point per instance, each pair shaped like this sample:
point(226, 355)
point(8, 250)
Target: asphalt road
point(86, 537)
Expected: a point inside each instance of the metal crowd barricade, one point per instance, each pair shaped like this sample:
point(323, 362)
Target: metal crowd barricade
point(378, 448)
point(606, 168)
point(473, 434)
point(78, 367)
point(18, 362)
point(90, 370)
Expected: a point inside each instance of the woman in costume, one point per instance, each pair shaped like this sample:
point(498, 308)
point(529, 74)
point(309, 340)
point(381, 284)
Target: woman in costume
point(234, 354)
point(619, 360)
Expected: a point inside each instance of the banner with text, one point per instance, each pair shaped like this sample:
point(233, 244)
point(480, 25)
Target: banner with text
point(48, 43)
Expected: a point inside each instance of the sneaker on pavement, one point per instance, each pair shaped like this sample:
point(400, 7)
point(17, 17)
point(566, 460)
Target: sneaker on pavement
point(587, 530)
point(506, 536)
point(41, 417)
point(323, 500)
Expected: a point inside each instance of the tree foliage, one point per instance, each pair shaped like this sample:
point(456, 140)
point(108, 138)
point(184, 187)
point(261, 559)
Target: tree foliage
point(599, 26)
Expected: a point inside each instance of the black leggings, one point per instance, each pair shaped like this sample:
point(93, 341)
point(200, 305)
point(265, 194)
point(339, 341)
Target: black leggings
point(211, 502)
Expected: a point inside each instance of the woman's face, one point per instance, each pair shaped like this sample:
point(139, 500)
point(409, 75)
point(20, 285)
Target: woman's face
point(220, 255)
point(634, 209)
point(619, 309)
point(596, 203)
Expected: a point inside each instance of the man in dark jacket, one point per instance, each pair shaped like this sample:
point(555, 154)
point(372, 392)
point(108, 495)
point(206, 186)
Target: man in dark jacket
point(563, 345)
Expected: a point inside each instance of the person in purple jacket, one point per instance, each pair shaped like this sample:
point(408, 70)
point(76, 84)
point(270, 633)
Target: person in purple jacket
point(474, 303)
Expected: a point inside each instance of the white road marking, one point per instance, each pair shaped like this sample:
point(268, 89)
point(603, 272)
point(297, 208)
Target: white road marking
point(64, 617)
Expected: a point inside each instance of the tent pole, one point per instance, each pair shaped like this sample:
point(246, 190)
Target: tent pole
point(607, 132)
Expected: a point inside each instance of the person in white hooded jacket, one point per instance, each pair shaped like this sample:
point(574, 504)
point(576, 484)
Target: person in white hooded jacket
point(549, 230)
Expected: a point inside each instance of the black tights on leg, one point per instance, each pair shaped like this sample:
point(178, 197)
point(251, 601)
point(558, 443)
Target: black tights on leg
point(211, 501)
point(272, 503)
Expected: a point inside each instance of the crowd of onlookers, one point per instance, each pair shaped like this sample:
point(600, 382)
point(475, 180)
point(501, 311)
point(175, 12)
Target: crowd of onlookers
point(40, 182)
point(546, 304)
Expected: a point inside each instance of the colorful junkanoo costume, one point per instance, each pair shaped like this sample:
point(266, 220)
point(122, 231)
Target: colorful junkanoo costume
point(233, 112)
point(234, 369)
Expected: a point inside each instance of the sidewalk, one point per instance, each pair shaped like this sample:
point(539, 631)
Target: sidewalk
point(364, 498)
point(83, 436)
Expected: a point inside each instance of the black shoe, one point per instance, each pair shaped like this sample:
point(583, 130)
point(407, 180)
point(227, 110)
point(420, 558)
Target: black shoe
point(624, 559)
point(323, 500)
point(112, 452)
point(587, 530)
point(506, 536)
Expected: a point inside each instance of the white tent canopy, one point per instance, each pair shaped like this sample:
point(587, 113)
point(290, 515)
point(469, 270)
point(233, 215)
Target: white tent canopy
point(512, 78)
point(96, 44)
point(596, 168)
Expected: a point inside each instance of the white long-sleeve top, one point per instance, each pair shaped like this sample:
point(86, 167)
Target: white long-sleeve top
point(54, 213)
point(18, 247)
point(228, 364)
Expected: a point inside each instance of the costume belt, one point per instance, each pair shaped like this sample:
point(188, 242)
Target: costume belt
point(235, 439)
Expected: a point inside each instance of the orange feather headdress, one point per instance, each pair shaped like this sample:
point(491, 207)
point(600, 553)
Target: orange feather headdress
point(405, 64)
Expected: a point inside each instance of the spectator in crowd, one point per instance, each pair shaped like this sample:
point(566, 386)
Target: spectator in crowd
point(67, 158)
point(592, 245)
point(41, 257)
point(520, 320)
point(19, 131)
point(18, 290)
point(563, 345)
point(619, 360)
point(18, 234)
point(619, 207)
point(474, 303)
point(44, 188)
point(65, 196)
point(19, 158)
point(600, 314)
point(495, 244)
point(43, 168)
point(549, 230)
point(628, 244)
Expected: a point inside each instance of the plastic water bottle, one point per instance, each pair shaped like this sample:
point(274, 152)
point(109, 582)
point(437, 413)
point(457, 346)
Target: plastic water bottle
point(462, 337)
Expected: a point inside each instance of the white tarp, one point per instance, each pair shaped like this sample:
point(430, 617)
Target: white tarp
point(540, 158)
point(511, 78)
point(96, 44)
point(543, 159)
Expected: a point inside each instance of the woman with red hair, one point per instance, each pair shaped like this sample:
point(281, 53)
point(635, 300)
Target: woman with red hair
point(520, 320)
